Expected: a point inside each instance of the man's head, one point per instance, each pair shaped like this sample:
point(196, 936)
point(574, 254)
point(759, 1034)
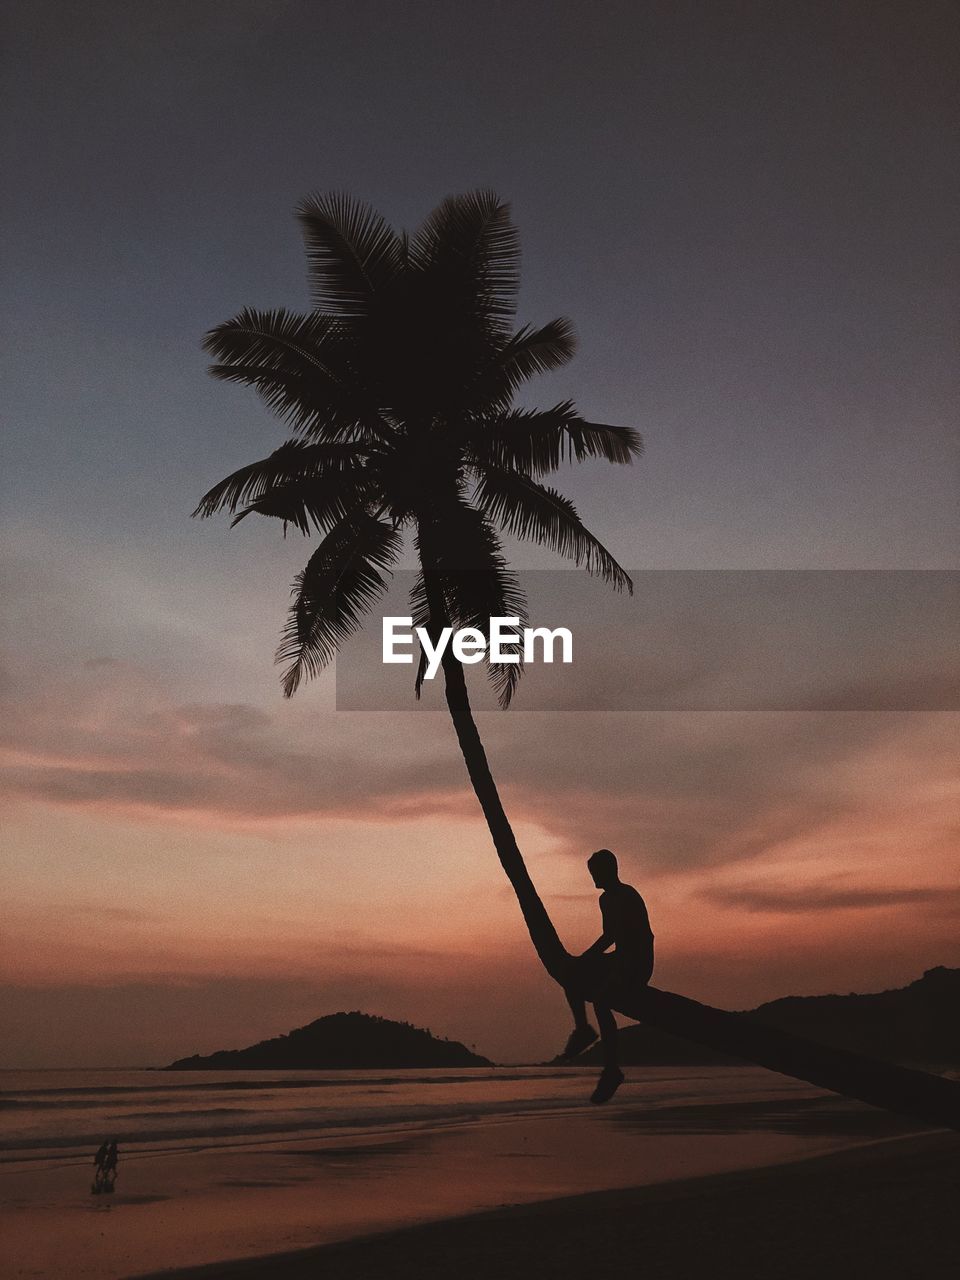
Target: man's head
point(602, 865)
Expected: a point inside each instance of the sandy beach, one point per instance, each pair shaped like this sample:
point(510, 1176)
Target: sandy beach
point(887, 1209)
point(229, 1169)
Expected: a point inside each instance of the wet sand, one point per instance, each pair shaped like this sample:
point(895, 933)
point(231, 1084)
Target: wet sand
point(192, 1204)
point(886, 1211)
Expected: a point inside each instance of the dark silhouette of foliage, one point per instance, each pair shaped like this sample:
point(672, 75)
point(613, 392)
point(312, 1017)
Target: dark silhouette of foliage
point(341, 1041)
point(399, 388)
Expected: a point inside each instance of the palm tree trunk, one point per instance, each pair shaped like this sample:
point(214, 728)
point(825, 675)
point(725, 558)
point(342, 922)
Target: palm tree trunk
point(553, 956)
point(917, 1094)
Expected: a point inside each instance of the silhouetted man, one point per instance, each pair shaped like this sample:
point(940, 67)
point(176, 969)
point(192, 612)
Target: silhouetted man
point(626, 928)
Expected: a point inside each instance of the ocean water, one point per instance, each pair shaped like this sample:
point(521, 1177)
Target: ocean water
point(64, 1115)
point(234, 1164)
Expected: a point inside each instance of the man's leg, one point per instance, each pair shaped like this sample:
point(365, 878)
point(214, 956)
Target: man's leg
point(608, 1035)
point(578, 1007)
point(611, 1077)
point(582, 1035)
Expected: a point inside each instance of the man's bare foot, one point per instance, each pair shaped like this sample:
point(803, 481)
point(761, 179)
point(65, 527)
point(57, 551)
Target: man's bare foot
point(580, 1038)
point(611, 1078)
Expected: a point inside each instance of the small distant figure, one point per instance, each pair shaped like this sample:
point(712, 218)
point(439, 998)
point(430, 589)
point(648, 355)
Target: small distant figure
point(105, 1165)
point(626, 928)
point(98, 1162)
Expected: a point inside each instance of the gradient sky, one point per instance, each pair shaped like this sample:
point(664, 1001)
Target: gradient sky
point(749, 211)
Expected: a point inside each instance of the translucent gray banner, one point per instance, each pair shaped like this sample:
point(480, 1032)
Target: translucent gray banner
point(705, 640)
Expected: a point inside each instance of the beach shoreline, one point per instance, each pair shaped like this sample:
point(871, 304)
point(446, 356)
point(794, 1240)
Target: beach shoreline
point(215, 1171)
point(882, 1208)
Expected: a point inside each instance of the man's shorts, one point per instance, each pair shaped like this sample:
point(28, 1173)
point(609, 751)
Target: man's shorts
point(592, 973)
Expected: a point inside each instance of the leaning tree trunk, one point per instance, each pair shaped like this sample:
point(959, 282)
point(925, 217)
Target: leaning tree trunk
point(917, 1094)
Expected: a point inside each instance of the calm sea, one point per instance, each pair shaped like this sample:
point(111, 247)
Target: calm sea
point(50, 1115)
point(217, 1165)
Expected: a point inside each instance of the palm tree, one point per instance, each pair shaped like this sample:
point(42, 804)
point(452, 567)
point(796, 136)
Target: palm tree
point(398, 390)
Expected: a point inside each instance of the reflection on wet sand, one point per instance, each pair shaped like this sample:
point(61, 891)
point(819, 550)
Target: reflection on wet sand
point(237, 1194)
point(802, 1117)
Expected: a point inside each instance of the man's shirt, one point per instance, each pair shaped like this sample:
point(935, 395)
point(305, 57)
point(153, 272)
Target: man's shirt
point(626, 923)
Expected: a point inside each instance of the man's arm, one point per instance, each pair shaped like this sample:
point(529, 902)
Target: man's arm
point(603, 943)
point(606, 939)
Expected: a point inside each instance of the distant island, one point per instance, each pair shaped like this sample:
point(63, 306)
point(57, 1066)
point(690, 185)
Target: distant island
point(340, 1041)
point(917, 1025)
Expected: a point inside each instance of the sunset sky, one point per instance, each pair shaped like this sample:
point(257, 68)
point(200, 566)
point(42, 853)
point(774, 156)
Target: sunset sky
point(748, 210)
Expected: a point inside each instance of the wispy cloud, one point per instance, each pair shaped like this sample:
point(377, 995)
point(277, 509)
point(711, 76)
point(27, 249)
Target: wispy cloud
point(818, 898)
point(680, 791)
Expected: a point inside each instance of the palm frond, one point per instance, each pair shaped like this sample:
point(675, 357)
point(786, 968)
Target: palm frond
point(294, 460)
point(598, 440)
point(341, 581)
point(534, 441)
point(308, 405)
point(469, 251)
point(277, 339)
point(528, 353)
point(524, 507)
point(351, 252)
point(538, 441)
point(300, 364)
point(317, 503)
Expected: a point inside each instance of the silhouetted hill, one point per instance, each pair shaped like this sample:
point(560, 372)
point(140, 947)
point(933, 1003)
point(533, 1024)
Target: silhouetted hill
point(916, 1025)
point(351, 1041)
